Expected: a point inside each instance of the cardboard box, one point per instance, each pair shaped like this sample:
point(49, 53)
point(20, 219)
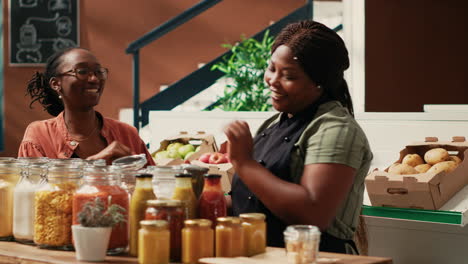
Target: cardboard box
point(425, 190)
point(207, 144)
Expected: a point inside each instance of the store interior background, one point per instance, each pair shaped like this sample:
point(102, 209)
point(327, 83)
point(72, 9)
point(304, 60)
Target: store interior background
point(415, 52)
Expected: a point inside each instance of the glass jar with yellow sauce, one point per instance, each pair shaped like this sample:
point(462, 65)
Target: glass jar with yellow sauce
point(229, 237)
point(10, 173)
point(197, 240)
point(254, 227)
point(153, 242)
point(143, 192)
point(53, 207)
point(184, 192)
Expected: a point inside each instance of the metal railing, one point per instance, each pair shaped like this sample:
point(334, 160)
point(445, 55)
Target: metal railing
point(153, 35)
point(198, 80)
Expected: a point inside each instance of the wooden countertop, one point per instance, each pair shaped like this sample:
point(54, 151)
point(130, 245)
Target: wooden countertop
point(14, 253)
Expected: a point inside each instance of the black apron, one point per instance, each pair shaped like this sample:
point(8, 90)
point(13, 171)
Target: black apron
point(272, 149)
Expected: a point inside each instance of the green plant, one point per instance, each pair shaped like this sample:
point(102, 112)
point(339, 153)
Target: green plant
point(245, 68)
point(94, 214)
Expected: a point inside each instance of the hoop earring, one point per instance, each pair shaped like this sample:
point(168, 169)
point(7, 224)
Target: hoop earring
point(60, 97)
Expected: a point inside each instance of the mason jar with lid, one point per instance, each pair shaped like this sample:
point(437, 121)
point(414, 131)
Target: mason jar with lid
point(197, 240)
point(164, 180)
point(173, 212)
point(10, 173)
point(101, 182)
point(70, 162)
point(153, 242)
point(229, 237)
point(53, 207)
point(302, 243)
point(254, 227)
point(128, 167)
point(33, 177)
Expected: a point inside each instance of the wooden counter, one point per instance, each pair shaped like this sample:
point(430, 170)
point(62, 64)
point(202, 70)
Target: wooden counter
point(14, 253)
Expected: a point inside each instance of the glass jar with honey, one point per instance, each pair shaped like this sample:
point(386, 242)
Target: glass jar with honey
point(197, 240)
point(229, 237)
point(254, 227)
point(153, 242)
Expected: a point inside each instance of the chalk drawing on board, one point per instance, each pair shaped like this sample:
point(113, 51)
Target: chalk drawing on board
point(27, 3)
point(29, 46)
point(57, 5)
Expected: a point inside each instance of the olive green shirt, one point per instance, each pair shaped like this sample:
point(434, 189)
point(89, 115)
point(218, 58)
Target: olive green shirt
point(334, 136)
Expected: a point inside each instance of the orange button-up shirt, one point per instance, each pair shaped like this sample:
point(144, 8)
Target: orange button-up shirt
point(50, 138)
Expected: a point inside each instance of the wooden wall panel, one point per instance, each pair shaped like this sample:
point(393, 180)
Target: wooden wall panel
point(416, 54)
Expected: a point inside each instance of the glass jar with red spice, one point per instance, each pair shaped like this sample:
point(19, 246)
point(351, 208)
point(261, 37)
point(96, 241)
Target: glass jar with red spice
point(212, 203)
point(173, 212)
point(102, 182)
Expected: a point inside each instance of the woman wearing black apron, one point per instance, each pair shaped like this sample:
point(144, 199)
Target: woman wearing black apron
point(307, 164)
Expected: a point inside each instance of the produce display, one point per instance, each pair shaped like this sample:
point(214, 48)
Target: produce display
point(214, 158)
point(435, 160)
point(177, 150)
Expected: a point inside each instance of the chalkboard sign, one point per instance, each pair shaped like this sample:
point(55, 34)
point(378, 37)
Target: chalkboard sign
point(39, 28)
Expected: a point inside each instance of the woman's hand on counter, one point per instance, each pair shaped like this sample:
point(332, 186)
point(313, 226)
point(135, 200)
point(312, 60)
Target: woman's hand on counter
point(113, 151)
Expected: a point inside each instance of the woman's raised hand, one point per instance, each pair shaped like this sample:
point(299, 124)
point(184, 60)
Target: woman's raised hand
point(240, 147)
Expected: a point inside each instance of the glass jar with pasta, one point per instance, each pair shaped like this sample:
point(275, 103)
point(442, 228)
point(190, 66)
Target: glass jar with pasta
point(10, 171)
point(302, 243)
point(53, 207)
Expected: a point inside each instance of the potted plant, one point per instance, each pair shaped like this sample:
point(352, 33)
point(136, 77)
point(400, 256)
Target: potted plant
point(244, 70)
point(91, 236)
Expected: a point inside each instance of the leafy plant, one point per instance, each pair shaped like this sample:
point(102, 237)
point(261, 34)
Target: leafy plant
point(94, 214)
point(245, 68)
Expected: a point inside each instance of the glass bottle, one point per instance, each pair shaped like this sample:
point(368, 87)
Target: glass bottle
point(153, 242)
point(53, 207)
point(254, 227)
point(197, 177)
point(10, 172)
point(302, 243)
point(184, 192)
point(197, 240)
point(164, 180)
point(33, 177)
point(143, 192)
point(128, 167)
point(173, 212)
point(229, 237)
point(212, 203)
point(101, 182)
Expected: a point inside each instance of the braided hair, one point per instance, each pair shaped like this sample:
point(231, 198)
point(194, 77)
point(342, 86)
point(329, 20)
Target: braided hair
point(323, 56)
point(39, 88)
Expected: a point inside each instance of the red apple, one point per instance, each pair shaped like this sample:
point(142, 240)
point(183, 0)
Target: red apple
point(205, 157)
point(217, 158)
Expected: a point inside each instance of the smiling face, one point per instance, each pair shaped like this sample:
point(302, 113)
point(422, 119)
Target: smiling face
point(291, 88)
point(80, 95)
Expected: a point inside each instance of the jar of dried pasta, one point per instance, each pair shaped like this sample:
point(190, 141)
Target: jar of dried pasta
point(53, 207)
point(302, 243)
point(10, 172)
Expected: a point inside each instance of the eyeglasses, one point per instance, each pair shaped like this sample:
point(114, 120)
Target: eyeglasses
point(84, 73)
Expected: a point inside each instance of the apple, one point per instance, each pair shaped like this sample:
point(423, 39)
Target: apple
point(205, 157)
point(185, 149)
point(217, 158)
point(174, 154)
point(188, 155)
point(161, 155)
point(175, 145)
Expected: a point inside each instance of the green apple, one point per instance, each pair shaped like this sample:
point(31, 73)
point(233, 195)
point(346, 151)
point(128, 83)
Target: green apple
point(175, 145)
point(185, 149)
point(188, 155)
point(162, 155)
point(197, 148)
point(174, 154)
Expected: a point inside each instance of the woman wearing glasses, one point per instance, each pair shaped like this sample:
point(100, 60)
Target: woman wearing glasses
point(69, 89)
